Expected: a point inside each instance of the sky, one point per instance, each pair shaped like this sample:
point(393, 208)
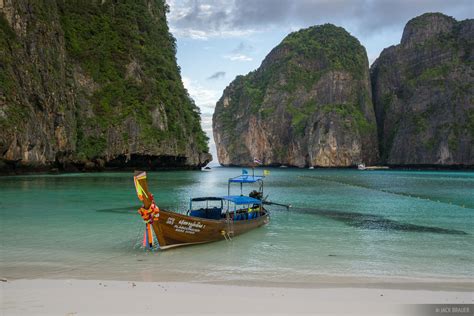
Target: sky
point(218, 40)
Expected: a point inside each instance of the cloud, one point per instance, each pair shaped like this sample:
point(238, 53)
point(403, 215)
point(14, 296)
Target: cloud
point(242, 48)
point(206, 34)
point(206, 124)
point(240, 53)
point(227, 18)
point(203, 19)
point(217, 75)
point(238, 57)
point(204, 98)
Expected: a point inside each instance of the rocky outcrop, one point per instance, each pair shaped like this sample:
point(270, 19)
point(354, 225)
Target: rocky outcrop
point(91, 85)
point(309, 104)
point(423, 92)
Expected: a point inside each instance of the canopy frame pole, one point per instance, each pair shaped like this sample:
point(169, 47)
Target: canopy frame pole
point(228, 219)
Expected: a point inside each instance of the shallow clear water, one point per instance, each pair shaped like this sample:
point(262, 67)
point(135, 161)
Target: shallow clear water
point(343, 224)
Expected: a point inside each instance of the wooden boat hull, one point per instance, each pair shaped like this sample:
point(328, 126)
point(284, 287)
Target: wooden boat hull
point(174, 229)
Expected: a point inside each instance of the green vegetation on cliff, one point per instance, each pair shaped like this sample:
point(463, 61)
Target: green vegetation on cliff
point(93, 79)
point(423, 93)
point(10, 117)
point(101, 38)
point(311, 91)
point(331, 46)
point(327, 46)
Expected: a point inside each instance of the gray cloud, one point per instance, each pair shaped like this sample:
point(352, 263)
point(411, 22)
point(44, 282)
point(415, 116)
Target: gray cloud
point(217, 75)
point(242, 48)
point(223, 17)
point(206, 14)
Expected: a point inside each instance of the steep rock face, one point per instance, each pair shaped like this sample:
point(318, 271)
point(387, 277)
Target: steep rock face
point(309, 104)
point(37, 118)
point(423, 92)
point(91, 85)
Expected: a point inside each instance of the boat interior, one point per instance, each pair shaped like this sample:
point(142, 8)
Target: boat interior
point(236, 207)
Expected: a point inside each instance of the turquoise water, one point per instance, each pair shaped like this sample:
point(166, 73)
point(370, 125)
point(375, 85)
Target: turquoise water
point(344, 224)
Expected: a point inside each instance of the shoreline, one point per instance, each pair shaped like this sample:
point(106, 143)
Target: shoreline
point(431, 167)
point(434, 285)
point(25, 171)
point(58, 171)
point(71, 297)
point(322, 282)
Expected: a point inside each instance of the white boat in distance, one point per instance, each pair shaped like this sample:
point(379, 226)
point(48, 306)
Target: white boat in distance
point(363, 167)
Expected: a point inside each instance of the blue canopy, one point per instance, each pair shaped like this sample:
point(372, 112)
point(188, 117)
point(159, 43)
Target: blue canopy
point(239, 199)
point(245, 178)
point(207, 198)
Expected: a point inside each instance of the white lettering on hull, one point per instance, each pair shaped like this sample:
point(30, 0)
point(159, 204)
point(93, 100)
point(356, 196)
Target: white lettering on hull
point(184, 226)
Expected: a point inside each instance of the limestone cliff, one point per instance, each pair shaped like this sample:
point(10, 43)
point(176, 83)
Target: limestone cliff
point(93, 84)
point(423, 92)
point(308, 104)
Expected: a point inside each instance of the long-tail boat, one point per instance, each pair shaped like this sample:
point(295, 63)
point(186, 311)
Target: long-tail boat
point(207, 219)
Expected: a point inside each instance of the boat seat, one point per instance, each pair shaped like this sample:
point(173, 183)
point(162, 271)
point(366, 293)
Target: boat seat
point(198, 213)
point(214, 213)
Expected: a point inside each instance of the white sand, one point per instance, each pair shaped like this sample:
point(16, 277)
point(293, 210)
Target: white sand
point(88, 297)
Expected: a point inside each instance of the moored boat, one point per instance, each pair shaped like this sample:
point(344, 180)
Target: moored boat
point(207, 219)
point(364, 167)
point(377, 168)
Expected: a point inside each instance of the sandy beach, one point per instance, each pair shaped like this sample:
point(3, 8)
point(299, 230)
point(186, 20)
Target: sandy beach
point(94, 297)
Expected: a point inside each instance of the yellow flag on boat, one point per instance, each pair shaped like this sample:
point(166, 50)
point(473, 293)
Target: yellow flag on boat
point(266, 172)
point(142, 189)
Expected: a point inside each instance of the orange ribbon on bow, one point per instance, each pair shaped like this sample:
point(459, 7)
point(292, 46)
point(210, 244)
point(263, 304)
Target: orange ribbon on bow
point(150, 214)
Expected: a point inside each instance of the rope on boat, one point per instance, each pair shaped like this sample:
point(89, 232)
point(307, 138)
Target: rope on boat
point(278, 204)
point(226, 235)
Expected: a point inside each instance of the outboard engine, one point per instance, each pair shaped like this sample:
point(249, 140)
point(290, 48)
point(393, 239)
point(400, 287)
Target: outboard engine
point(256, 195)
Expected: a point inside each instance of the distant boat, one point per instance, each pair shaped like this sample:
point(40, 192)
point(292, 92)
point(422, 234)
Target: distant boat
point(213, 219)
point(206, 169)
point(363, 167)
point(283, 166)
point(311, 168)
point(377, 168)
